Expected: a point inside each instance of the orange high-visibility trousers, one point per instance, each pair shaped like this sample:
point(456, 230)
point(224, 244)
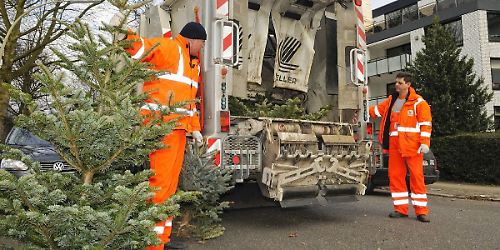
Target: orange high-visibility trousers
point(166, 164)
point(397, 180)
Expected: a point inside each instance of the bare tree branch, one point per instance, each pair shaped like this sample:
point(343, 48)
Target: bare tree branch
point(26, 43)
point(47, 40)
point(5, 16)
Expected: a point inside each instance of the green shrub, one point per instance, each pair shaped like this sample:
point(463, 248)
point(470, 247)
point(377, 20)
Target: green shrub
point(471, 158)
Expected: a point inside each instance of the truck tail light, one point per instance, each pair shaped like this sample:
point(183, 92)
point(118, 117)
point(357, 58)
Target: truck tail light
point(236, 159)
point(369, 128)
point(225, 121)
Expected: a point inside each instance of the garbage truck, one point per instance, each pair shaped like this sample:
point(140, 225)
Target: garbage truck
point(307, 49)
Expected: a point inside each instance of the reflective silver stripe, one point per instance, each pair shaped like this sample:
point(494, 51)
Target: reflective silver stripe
point(425, 123)
point(180, 69)
point(399, 195)
point(419, 203)
point(153, 106)
point(407, 129)
point(393, 133)
point(425, 134)
point(179, 78)
point(185, 111)
point(140, 51)
point(156, 107)
point(418, 196)
point(401, 202)
point(168, 223)
point(377, 113)
point(419, 100)
point(159, 230)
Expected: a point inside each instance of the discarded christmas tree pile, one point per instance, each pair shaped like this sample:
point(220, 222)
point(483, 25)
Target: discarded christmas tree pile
point(262, 107)
point(96, 129)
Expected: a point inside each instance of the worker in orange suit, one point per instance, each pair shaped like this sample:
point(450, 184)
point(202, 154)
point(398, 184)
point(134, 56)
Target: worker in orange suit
point(405, 133)
point(177, 57)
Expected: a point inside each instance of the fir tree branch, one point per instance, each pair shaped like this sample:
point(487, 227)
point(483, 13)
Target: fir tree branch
point(120, 223)
point(112, 158)
point(62, 114)
point(43, 229)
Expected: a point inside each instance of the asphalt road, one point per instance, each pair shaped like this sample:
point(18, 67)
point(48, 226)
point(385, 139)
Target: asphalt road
point(456, 224)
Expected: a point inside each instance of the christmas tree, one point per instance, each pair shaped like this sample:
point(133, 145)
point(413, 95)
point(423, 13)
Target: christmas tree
point(200, 218)
point(96, 129)
point(446, 80)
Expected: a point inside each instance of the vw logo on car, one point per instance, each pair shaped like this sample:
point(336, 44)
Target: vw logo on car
point(58, 166)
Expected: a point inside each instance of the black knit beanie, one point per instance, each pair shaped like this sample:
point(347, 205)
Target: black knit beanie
point(194, 31)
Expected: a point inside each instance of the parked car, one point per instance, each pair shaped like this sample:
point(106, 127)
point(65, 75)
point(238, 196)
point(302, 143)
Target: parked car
point(35, 148)
point(380, 177)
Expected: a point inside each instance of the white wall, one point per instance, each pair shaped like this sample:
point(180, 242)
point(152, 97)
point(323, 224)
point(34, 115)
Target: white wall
point(476, 46)
point(377, 85)
point(417, 43)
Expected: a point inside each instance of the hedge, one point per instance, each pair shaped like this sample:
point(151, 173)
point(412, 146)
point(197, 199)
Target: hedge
point(473, 158)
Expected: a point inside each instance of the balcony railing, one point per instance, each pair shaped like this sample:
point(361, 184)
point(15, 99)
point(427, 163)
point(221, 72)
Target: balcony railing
point(494, 38)
point(407, 15)
point(387, 65)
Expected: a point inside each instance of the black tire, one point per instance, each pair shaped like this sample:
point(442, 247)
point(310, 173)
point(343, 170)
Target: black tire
point(370, 188)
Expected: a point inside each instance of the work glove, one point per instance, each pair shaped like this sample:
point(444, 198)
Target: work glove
point(118, 21)
point(423, 149)
point(198, 138)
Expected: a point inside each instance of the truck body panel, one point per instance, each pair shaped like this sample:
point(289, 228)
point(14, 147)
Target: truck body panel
point(283, 49)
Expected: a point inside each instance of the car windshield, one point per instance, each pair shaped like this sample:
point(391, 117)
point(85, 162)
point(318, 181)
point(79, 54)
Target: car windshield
point(25, 138)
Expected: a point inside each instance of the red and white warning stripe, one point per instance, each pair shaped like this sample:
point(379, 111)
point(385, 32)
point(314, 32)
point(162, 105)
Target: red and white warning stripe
point(361, 42)
point(227, 42)
point(223, 8)
point(167, 32)
point(360, 26)
point(214, 145)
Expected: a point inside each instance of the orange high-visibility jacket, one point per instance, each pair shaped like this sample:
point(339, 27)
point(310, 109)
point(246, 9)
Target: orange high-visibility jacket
point(414, 124)
point(180, 84)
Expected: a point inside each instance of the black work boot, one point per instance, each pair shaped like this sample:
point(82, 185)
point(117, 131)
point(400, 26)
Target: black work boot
point(423, 218)
point(175, 243)
point(396, 214)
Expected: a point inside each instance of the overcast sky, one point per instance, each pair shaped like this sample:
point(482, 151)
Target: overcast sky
point(378, 3)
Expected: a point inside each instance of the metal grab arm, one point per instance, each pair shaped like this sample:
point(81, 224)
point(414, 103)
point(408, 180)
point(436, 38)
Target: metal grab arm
point(237, 54)
point(218, 51)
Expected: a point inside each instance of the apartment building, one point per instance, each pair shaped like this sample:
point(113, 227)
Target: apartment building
point(396, 34)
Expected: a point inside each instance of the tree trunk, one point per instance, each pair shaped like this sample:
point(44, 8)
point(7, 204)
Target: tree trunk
point(4, 104)
point(87, 177)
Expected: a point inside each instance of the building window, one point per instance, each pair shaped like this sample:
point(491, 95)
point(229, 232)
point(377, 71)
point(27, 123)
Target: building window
point(445, 4)
point(495, 73)
point(497, 117)
point(494, 27)
point(390, 88)
point(410, 13)
point(460, 2)
point(455, 27)
point(393, 19)
point(400, 50)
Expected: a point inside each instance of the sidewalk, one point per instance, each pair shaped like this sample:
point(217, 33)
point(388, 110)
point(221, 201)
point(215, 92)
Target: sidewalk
point(464, 191)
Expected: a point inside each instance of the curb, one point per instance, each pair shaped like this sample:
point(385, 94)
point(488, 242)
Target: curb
point(466, 197)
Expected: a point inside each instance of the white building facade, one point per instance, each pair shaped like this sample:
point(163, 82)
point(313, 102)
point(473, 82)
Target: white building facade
point(396, 36)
